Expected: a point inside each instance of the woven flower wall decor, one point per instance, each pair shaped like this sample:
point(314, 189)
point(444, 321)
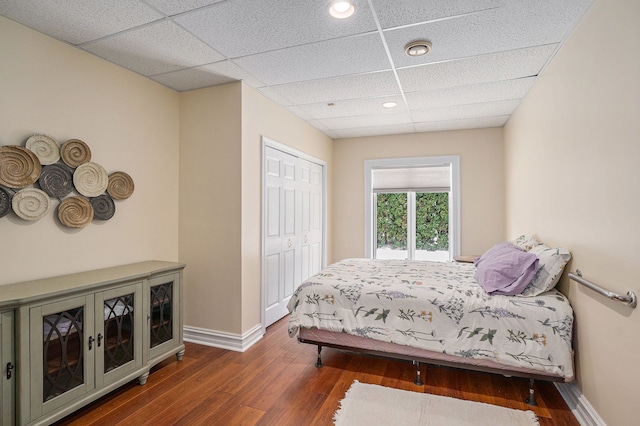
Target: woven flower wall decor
point(43, 170)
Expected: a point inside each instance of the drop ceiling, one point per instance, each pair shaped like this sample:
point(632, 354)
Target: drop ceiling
point(335, 74)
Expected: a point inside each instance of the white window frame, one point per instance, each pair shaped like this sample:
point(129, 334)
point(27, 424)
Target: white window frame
point(387, 163)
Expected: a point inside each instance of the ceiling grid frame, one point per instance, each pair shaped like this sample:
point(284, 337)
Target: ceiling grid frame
point(485, 56)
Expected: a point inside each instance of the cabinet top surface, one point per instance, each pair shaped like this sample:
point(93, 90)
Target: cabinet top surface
point(25, 292)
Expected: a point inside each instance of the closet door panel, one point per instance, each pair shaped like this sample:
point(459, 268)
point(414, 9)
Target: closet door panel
point(272, 278)
point(293, 227)
point(289, 212)
point(279, 175)
point(289, 273)
point(314, 235)
point(273, 212)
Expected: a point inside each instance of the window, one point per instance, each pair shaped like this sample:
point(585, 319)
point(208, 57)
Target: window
point(412, 208)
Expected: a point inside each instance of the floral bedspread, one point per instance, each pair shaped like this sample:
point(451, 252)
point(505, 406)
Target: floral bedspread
point(439, 307)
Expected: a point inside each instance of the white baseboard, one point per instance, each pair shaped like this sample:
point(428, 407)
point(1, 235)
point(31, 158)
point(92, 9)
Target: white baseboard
point(223, 340)
point(580, 407)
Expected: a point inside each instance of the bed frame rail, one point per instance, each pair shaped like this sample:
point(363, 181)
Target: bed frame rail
point(531, 398)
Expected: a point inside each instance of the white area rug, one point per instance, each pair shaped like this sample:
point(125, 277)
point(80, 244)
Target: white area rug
point(366, 404)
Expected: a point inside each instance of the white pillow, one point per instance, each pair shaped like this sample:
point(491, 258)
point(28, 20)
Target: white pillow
point(552, 262)
point(525, 243)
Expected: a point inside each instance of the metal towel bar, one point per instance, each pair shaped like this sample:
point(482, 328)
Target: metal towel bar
point(630, 299)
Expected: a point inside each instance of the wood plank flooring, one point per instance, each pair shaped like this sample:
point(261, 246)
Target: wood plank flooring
point(276, 382)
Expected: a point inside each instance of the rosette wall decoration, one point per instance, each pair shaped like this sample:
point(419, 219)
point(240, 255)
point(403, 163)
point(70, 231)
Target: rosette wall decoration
point(42, 170)
point(19, 167)
point(31, 204)
point(56, 180)
point(120, 186)
point(90, 179)
point(46, 148)
point(75, 152)
point(75, 212)
point(103, 207)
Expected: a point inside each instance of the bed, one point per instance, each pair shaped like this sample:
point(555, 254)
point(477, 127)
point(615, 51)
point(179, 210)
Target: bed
point(441, 313)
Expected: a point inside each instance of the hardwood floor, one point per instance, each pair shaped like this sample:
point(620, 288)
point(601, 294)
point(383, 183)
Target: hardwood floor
point(276, 382)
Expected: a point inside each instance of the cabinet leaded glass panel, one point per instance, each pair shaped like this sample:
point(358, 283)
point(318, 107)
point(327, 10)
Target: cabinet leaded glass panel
point(118, 332)
point(161, 318)
point(63, 352)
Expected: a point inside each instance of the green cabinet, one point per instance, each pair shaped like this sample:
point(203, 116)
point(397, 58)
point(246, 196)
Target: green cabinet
point(83, 343)
point(81, 336)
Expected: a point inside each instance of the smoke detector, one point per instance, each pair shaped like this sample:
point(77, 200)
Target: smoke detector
point(418, 48)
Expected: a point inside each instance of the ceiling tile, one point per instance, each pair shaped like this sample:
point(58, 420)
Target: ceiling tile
point(78, 21)
point(406, 12)
point(275, 96)
point(473, 123)
point(465, 111)
point(246, 27)
point(337, 88)
point(302, 114)
point(331, 134)
point(514, 26)
point(154, 49)
point(330, 58)
point(358, 106)
point(207, 75)
point(337, 123)
point(484, 92)
point(479, 69)
point(174, 7)
point(375, 130)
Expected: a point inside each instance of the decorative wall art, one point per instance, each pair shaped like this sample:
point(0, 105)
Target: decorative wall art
point(43, 170)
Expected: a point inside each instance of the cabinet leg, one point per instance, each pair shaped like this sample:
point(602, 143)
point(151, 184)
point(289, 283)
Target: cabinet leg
point(179, 355)
point(143, 379)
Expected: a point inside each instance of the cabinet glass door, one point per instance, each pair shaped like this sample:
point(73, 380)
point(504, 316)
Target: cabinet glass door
point(119, 339)
point(63, 352)
point(118, 319)
point(163, 317)
point(161, 321)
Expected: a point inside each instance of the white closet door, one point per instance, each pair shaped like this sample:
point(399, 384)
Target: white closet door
point(310, 233)
point(281, 257)
point(293, 231)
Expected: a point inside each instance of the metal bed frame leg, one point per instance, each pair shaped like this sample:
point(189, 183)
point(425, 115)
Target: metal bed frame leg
point(319, 360)
point(418, 380)
point(531, 399)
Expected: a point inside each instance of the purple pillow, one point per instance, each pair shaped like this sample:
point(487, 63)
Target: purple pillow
point(505, 269)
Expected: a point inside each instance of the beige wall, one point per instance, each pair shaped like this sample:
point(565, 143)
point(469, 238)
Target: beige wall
point(572, 178)
point(210, 206)
point(481, 184)
point(221, 131)
point(193, 156)
point(262, 117)
point(129, 122)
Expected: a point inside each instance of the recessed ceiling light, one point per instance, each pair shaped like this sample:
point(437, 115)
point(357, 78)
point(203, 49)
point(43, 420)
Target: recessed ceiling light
point(390, 104)
point(418, 48)
point(341, 9)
